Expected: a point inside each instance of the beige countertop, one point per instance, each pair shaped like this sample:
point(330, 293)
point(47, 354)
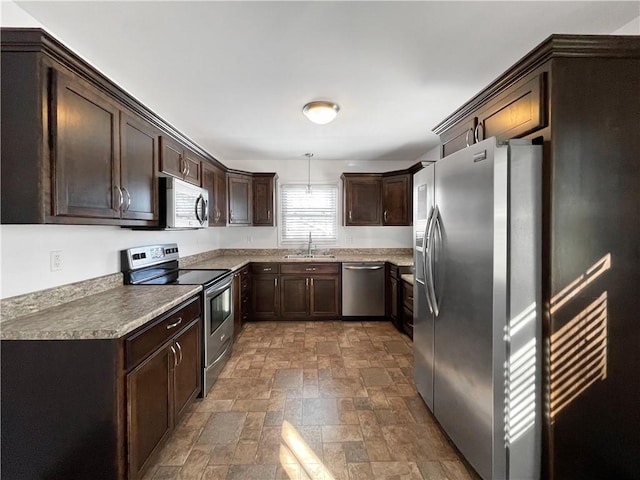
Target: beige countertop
point(407, 277)
point(114, 312)
point(234, 262)
point(106, 315)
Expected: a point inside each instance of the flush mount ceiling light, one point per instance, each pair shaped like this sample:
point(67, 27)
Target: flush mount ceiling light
point(321, 112)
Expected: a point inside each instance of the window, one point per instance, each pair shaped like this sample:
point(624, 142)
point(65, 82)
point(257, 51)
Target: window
point(304, 211)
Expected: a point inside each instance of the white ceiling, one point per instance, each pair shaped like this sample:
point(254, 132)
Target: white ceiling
point(233, 76)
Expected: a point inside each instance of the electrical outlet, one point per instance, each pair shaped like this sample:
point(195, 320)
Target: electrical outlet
point(56, 260)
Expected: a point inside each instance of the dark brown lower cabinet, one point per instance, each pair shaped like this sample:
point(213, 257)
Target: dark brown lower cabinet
point(98, 409)
point(265, 296)
point(295, 291)
point(158, 392)
point(407, 308)
point(150, 416)
point(310, 291)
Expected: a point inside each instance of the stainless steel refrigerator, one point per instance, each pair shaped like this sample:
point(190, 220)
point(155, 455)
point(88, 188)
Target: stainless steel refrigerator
point(477, 326)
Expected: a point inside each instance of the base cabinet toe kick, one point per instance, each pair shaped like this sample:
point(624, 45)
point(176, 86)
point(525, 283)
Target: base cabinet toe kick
point(98, 408)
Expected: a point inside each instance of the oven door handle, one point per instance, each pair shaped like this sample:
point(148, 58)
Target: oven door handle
point(217, 288)
point(229, 343)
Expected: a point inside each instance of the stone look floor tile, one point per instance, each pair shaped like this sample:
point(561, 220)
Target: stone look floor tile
point(312, 400)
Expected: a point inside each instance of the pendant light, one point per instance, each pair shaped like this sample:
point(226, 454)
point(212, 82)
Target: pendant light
point(308, 155)
point(321, 112)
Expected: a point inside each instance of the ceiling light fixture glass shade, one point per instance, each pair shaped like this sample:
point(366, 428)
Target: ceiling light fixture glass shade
point(321, 112)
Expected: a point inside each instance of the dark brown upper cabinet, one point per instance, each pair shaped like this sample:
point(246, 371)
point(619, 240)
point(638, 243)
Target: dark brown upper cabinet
point(362, 199)
point(379, 198)
point(515, 113)
point(178, 161)
point(139, 146)
point(396, 199)
point(214, 180)
point(240, 198)
point(264, 199)
point(85, 145)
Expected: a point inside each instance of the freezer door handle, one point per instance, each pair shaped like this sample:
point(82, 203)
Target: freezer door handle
point(429, 277)
point(425, 246)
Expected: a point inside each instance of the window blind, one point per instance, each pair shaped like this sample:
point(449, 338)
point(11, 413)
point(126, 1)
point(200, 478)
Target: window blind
point(304, 211)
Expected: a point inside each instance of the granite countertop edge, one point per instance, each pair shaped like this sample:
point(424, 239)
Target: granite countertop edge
point(107, 315)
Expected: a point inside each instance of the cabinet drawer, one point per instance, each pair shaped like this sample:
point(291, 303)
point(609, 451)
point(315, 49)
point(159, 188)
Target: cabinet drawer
point(142, 343)
point(265, 268)
point(310, 268)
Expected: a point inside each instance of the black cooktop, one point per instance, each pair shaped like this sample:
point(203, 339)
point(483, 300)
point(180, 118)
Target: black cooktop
point(186, 277)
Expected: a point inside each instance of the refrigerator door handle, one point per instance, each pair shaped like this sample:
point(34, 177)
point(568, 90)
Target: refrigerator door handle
point(425, 243)
point(438, 228)
point(429, 280)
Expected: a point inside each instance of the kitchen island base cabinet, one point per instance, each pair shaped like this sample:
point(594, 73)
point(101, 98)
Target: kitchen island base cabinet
point(94, 408)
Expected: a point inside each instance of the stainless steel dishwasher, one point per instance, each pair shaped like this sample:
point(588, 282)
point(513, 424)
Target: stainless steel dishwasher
point(363, 289)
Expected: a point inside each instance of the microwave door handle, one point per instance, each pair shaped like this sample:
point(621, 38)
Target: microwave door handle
point(205, 202)
point(196, 206)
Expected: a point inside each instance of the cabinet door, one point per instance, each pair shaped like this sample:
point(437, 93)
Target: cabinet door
point(294, 296)
point(85, 150)
point(363, 201)
point(193, 163)
point(263, 201)
point(393, 300)
point(149, 407)
point(265, 297)
point(237, 304)
point(396, 195)
point(188, 371)
point(220, 198)
point(172, 158)
point(138, 166)
point(459, 136)
point(239, 199)
point(518, 113)
point(325, 296)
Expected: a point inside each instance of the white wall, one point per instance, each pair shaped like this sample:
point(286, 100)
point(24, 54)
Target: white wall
point(631, 28)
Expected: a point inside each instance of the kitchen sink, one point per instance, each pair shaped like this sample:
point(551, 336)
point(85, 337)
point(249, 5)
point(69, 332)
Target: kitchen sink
point(304, 255)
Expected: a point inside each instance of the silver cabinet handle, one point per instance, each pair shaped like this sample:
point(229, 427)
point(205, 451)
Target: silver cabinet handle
point(128, 199)
point(385, 215)
point(188, 168)
point(269, 215)
point(350, 216)
point(313, 269)
point(466, 137)
point(362, 268)
point(306, 282)
point(180, 352)
point(182, 163)
point(174, 324)
point(121, 197)
point(267, 269)
point(275, 281)
point(476, 135)
point(175, 356)
point(311, 282)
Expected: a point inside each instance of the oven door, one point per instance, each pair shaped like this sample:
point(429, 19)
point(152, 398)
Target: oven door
point(218, 329)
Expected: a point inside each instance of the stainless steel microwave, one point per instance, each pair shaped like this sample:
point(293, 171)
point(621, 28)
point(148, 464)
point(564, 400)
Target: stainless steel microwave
point(187, 205)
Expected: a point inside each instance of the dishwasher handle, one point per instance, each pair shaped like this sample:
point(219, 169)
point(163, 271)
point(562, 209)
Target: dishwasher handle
point(362, 268)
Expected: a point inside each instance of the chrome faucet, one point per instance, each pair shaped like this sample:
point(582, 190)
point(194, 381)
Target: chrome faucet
point(309, 246)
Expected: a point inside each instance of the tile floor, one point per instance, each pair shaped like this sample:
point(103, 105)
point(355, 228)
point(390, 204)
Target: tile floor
point(312, 400)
